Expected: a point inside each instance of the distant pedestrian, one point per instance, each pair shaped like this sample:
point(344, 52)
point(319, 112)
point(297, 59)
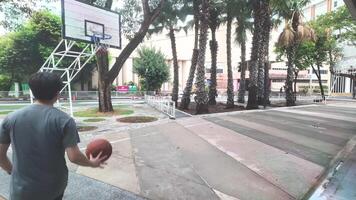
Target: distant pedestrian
point(354, 92)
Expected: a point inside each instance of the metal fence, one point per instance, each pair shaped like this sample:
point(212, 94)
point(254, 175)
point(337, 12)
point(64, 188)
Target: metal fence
point(140, 95)
point(163, 104)
point(76, 95)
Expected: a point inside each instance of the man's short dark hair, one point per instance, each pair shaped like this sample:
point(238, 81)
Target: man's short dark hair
point(45, 85)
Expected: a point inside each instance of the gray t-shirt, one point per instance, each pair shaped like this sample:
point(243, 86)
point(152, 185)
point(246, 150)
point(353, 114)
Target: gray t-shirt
point(38, 135)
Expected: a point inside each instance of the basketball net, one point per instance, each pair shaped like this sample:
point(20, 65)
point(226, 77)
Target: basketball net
point(102, 48)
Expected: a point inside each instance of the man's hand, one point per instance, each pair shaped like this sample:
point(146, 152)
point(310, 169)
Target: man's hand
point(97, 161)
point(77, 157)
point(5, 163)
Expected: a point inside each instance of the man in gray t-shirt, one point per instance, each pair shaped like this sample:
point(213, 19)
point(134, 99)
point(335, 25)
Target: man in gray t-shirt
point(40, 135)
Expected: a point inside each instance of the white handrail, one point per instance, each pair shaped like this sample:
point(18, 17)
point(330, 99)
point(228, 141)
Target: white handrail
point(164, 105)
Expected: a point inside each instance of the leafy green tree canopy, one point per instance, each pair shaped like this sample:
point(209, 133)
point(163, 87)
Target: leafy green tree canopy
point(340, 23)
point(23, 52)
point(16, 11)
point(152, 68)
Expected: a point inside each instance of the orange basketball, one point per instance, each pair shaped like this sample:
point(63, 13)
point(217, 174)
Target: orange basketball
point(97, 146)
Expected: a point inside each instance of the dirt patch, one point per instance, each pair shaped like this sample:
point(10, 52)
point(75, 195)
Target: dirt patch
point(137, 119)
point(94, 120)
point(93, 112)
point(218, 108)
point(86, 128)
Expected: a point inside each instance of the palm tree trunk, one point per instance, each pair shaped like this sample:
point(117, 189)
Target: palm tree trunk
point(263, 58)
point(214, 54)
point(230, 80)
point(290, 77)
point(201, 98)
point(242, 89)
point(175, 67)
point(256, 41)
point(185, 101)
point(291, 60)
point(296, 73)
point(267, 26)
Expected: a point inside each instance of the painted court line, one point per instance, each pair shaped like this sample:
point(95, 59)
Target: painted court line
point(126, 139)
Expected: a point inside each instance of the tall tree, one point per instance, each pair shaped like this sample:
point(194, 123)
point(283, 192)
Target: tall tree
point(230, 5)
point(185, 101)
point(255, 54)
point(150, 11)
point(16, 11)
point(214, 21)
point(244, 23)
point(201, 97)
point(22, 52)
point(264, 58)
point(173, 14)
point(294, 32)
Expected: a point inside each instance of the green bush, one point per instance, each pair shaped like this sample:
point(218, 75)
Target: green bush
point(5, 83)
point(152, 68)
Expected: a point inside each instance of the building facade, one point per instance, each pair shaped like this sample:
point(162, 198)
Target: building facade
point(306, 80)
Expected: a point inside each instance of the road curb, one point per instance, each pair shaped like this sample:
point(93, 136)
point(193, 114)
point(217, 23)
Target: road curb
point(329, 171)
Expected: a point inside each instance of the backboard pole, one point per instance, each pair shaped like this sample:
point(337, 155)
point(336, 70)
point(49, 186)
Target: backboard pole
point(70, 95)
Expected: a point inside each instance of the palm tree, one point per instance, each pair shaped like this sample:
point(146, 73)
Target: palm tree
point(185, 101)
point(244, 23)
point(293, 34)
point(213, 24)
point(201, 98)
point(173, 12)
point(263, 69)
point(255, 54)
point(230, 9)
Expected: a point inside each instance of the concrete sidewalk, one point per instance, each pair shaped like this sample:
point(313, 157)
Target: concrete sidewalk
point(275, 154)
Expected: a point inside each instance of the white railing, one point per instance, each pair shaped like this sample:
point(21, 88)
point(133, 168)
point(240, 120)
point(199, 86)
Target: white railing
point(162, 104)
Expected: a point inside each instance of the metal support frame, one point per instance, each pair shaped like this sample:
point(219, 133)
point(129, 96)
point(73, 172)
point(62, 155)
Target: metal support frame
point(77, 61)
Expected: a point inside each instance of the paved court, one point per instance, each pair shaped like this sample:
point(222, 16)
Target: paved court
point(275, 154)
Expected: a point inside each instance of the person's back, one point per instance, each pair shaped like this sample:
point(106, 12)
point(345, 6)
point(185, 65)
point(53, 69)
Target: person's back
point(40, 135)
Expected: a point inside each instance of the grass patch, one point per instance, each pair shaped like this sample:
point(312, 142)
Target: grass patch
point(95, 120)
point(5, 112)
point(86, 128)
point(93, 112)
point(137, 119)
point(11, 107)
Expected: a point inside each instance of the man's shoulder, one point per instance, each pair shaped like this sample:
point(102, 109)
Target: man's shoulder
point(30, 109)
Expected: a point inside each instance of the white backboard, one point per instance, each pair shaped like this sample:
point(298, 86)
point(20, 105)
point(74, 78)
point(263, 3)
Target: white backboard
point(81, 20)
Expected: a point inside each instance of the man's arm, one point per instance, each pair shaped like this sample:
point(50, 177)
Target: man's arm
point(5, 163)
point(77, 157)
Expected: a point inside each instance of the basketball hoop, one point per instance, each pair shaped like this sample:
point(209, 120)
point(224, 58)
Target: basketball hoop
point(97, 38)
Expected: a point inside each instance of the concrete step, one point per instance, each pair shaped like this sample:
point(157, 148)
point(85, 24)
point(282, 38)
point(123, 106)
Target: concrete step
point(284, 144)
point(290, 173)
point(220, 171)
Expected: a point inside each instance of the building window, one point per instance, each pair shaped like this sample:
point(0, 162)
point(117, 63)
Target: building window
point(335, 4)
